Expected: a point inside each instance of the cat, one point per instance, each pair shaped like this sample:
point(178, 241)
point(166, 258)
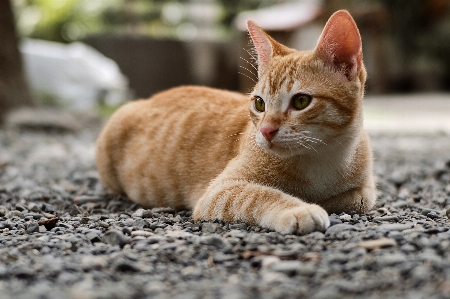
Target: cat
point(281, 157)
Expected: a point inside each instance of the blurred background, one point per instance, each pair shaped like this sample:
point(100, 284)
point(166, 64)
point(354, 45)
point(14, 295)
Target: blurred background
point(84, 54)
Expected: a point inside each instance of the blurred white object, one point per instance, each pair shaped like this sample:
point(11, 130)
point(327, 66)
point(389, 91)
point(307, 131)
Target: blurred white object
point(281, 17)
point(76, 75)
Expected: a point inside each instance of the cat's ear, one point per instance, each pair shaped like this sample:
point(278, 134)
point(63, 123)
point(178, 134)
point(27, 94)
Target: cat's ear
point(340, 44)
point(265, 46)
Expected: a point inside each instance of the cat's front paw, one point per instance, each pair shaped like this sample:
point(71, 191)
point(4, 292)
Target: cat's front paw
point(302, 220)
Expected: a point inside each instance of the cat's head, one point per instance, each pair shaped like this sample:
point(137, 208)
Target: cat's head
point(306, 100)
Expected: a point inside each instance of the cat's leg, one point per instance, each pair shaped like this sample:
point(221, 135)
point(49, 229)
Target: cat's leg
point(360, 200)
point(237, 200)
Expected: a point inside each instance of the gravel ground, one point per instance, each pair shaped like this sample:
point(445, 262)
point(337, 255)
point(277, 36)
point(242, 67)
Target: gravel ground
point(62, 237)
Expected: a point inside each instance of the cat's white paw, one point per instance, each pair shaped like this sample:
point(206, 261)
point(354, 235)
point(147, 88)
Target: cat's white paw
point(302, 220)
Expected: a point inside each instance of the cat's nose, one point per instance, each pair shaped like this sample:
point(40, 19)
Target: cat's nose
point(269, 131)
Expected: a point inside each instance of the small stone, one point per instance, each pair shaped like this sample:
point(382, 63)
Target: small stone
point(383, 211)
point(137, 213)
point(312, 256)
point(33, 207)
point(447, 212)
point(287, 267)
point(240, 226)
point(42, 229)
point(220, 257)
point(32, 228)
point(426, 211)
point(142, 233)
point(216, 241)
point(103, 224)
point(376, 244)
point(14, 213)
point(209, 227)
point(49, 216)
point(147, 214)
point(395, 226)
point(386, 218)
point(307, 269)
point(93, 237)
point(345, 217)
point(48, 208)
point(334, 219)
point(21, 208)
point(126, 231)
point(74, 210)
point(22, 272)
point(49, 223)
point(269, 261)
point(36, 216)
point(191, 271)
point(399, 204)
point(115, 237)
point(339, 228)
point(155, 239)
point(124, 265)
point(163, 210)
point(433, 215)
point(141, 223)
point(169, 246)
point(391, 259)
point(90, 262)
point(408, 248)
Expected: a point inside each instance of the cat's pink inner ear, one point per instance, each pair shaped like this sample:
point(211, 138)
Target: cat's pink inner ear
point(262, 44)
point(340, 44)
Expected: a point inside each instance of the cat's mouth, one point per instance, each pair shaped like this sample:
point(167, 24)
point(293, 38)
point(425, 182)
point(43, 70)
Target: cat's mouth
point(277, 148)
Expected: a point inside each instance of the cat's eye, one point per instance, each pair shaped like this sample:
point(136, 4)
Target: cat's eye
point(301, 101)
point(259, 104)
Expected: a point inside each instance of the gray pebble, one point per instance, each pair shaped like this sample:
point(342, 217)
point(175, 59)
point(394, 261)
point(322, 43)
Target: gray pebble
point(12, 214)
point(216, 241)
point(240, 226)
point(287, 267)
point(74, 210)
point(32, 228)
point(339, 228)
point(391, 259)
point(163, 210)
point(220, 257)
point(115, 237)
point(386, 218)
point(124, 265)
point(395, 227)
point(208, 227)
point(93, 237)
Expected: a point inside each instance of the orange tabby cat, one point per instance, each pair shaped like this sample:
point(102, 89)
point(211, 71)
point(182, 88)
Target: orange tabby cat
point(280, 158)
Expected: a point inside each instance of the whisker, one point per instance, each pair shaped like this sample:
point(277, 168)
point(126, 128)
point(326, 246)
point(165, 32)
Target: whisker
point(305, 145)
point(249, 63)
point(315, 140)
point(234, 134)
point(249, 71)
point(248, 51)
point(338, 142)
point(248, 77)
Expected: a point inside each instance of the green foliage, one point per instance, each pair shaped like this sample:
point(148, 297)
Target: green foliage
point(106, 111)
point(69, 20)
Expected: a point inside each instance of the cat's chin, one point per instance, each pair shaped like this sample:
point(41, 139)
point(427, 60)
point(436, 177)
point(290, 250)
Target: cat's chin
point(280, 151)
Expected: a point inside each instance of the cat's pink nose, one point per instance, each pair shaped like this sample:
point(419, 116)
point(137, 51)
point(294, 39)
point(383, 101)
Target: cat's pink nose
point(269, 131)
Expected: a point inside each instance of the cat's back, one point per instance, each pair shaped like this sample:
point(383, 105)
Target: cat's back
point(171, 145)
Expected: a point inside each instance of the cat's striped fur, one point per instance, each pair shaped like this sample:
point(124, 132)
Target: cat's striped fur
point(214, 152)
